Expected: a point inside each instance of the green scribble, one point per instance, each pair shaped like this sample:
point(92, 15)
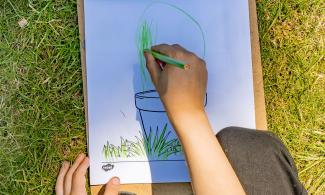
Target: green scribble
point(145, 40)
point(155, 145)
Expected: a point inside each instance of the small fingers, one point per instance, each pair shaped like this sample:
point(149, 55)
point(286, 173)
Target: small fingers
point(78, 178)
point(68, 176)
point(178, 52)
point(59, 189)
point(165, 49)
point(190, 56)
point(112, 186)
point(180, 48)
point(197, 61)
point(152, 67)
point(82, 168)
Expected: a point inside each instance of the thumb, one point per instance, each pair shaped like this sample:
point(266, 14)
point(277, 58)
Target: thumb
point(112, 186)
point(152, 67)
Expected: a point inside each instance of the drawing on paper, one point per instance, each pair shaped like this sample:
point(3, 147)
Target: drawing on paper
point(155, 145)
point(126, 121)
point(157, 141)
point(144, 40)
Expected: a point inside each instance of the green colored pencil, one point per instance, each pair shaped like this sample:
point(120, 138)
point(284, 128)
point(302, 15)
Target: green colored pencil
point(166, 59)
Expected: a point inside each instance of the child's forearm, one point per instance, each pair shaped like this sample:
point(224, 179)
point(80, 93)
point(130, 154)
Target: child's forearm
point(183, 92)
point(210, 169)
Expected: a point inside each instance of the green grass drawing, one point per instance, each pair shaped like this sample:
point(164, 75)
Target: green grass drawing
point(155, 145)
point(145, 40)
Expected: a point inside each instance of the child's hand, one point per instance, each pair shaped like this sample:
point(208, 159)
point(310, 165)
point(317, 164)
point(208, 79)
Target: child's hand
point(72, 181)
point(181, 90)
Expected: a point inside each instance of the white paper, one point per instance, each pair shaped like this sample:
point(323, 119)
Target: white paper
point(216, 30)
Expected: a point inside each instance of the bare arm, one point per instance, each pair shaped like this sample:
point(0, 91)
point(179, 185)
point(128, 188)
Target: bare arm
point(182, 93)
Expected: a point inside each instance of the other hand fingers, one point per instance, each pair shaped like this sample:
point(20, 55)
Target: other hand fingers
point(112, 186)
point(68, 176)
point(78, 178)
point(59, 189)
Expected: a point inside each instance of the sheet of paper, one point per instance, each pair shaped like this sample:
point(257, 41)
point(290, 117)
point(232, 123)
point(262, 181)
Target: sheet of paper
point(129, 133)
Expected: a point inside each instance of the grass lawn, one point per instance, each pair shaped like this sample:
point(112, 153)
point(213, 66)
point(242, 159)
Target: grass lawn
point(41, 103)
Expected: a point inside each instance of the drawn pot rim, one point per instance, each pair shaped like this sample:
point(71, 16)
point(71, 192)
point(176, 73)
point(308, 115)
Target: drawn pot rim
point(148, 101)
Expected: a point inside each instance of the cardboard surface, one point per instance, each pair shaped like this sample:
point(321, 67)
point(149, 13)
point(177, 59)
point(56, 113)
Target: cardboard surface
point(261, 123)
point(259, 99)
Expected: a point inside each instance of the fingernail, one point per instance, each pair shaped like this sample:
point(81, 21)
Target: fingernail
point(65, 164)
point(116, 181)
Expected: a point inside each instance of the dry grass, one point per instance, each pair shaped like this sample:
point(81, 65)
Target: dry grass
point(292, 41)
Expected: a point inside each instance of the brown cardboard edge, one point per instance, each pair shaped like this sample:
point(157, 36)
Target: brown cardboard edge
point(80, 10)
point(259, 99)
point(260, 112)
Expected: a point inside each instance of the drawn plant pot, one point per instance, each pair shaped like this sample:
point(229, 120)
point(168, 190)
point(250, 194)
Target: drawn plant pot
point(153, 116)
point(151, 110)
point(154, 119)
